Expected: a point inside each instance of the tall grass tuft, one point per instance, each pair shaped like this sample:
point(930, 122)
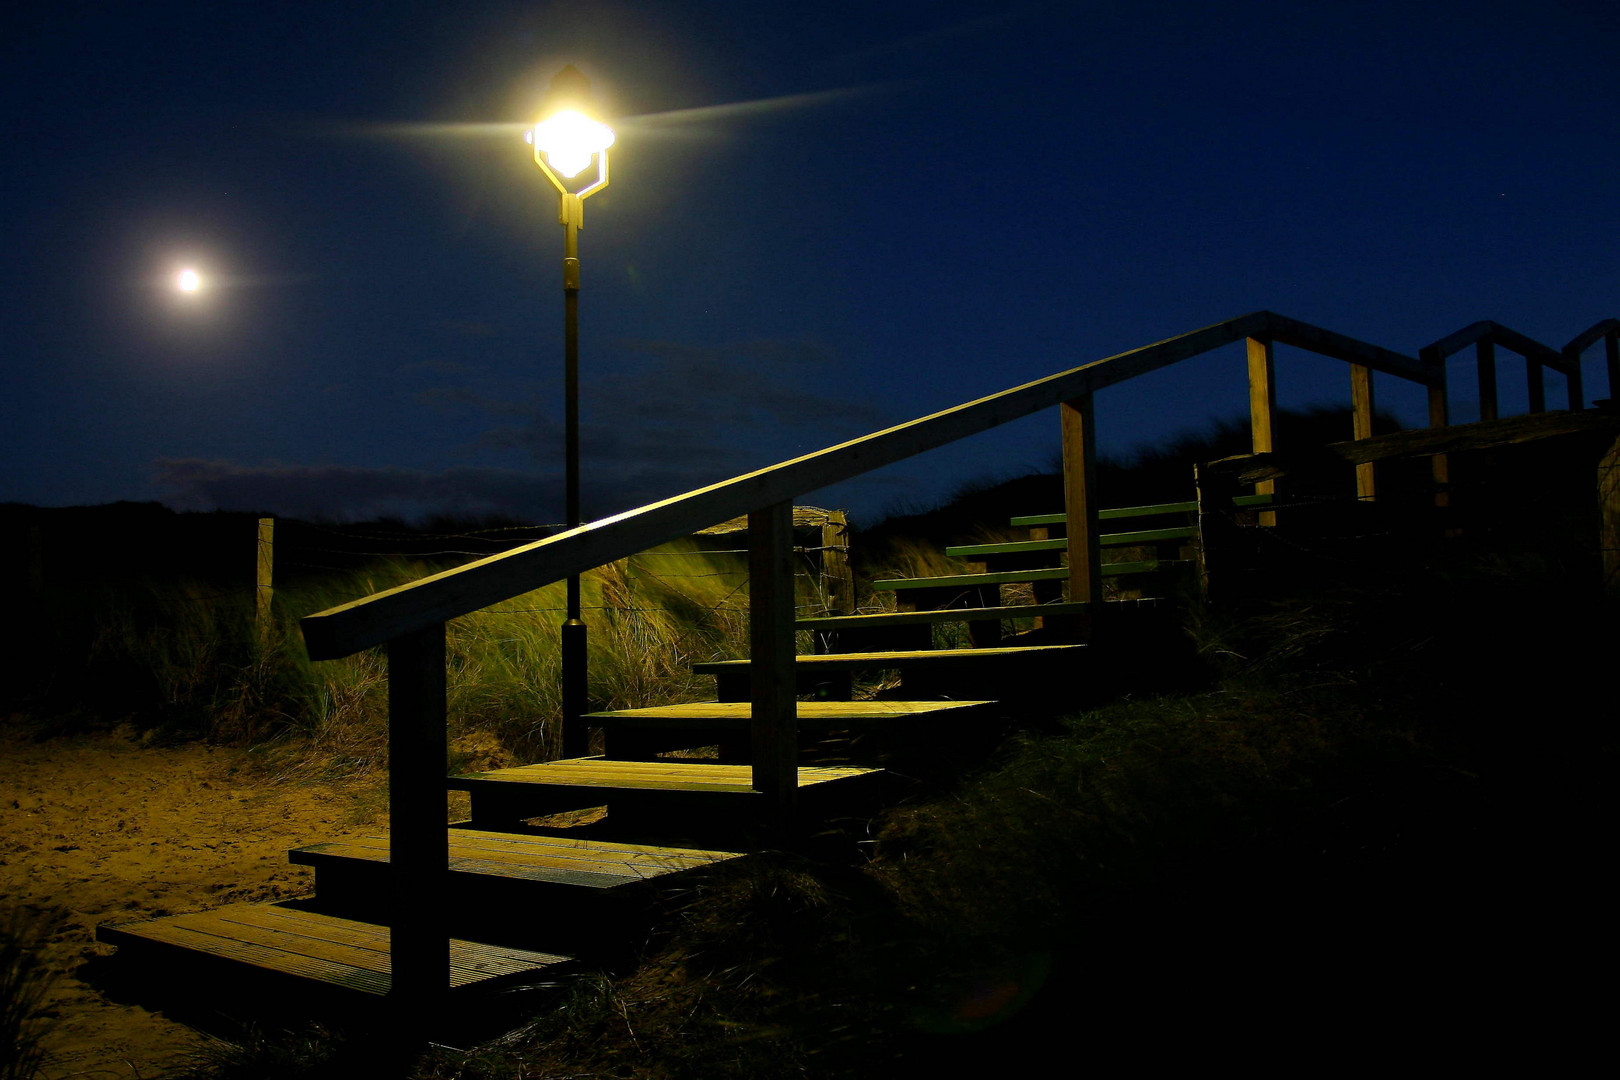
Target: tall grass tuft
point(178, 660)
point(24, 981)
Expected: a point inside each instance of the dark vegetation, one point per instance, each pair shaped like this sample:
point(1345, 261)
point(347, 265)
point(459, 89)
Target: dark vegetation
point(1376, 830)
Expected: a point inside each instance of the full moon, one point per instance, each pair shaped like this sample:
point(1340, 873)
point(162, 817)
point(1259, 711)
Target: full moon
point(189, 281)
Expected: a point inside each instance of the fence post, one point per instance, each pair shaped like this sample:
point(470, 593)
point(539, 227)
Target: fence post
point(774, 727)
point(418, 836)
point(1262, 407)
point(265, 590)
point(837, 577)
point(1078, 420)
point(1361, 407)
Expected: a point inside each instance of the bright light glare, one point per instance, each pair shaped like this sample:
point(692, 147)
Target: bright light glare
point(188, 281)
point(569, 139)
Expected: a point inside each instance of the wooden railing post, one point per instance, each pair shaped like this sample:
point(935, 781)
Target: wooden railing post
point(1609, 519)
point(1611, 363)
point(1361, 410)
point(1536, 379)
point(1079, 426)
point(418, 844)
point(1439, 417)
point(774, 730)
point(1262, 408)
point(1485, 352)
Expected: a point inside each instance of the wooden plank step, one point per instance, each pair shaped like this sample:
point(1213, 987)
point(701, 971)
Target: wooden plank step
point(1120, 512)
point(737, 715)
point(344, 954)
point(939, 615)
point(600, 778)
point(655, 797)
point(1011, 577)
point(588, 863)
point(645, 733)
point(907, 658)
point(977, 674)
point(1024, 547)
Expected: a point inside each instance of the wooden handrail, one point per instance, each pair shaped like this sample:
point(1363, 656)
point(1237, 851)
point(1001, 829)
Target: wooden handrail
point(1607, 331)
point(375, 619)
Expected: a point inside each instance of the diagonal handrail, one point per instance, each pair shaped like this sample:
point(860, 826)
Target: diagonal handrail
point(387, 615)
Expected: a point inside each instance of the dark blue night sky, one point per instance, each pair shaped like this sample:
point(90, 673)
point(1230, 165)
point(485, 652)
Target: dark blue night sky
point(927, 202)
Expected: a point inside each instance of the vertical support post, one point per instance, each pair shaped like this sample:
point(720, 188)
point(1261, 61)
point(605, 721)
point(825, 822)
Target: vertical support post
point(1572, 362)
point(1439, 417)
point(1609, 519)
point(1078, 422)
point(418, 843)
point(1611, 363)
point(1361, 410)
point(774, 727)
point(576, 739)
point(1485, 351)
point(1535, 378)
point(1262, 409)
point(264, 586)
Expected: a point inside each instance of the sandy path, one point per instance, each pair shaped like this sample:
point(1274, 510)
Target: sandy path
point(101, 829)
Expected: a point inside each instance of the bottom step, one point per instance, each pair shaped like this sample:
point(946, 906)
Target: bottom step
point(339, 953)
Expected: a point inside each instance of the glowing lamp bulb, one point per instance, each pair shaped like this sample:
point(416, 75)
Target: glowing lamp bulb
point(570, 139)
point(188, 281)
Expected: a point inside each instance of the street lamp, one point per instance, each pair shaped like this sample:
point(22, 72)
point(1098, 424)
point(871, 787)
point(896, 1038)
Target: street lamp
point(566, 141)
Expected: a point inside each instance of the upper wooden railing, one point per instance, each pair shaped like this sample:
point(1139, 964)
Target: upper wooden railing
point(410, 619)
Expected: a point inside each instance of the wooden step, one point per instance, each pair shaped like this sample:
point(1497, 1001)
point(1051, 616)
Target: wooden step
point(336, 953)
point(988, 674)
point(640, 733)
point(591, 890)
point(1058, 623)
point(938, 615)
point(585, 863)
point(1119, 512)
point(1026, 547)
point(653, 792)
point(1014, 577)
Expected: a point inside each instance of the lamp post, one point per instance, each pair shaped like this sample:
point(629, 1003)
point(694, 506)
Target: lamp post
point(566, 143)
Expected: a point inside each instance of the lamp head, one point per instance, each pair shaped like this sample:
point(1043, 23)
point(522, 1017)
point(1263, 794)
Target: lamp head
point(567, 139)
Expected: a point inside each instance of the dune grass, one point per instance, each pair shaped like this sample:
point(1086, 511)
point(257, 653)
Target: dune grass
point(179, 660)
point(24, 981)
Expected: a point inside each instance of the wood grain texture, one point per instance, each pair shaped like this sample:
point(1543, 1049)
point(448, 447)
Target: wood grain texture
point(337, 952)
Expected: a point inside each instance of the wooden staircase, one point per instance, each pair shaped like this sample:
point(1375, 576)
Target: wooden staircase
point(430, 912)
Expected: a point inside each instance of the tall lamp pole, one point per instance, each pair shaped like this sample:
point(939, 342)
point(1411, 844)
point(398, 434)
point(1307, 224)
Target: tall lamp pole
point(567, 142)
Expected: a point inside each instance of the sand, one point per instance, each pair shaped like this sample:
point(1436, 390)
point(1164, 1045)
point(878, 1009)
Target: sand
point(102, 829)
